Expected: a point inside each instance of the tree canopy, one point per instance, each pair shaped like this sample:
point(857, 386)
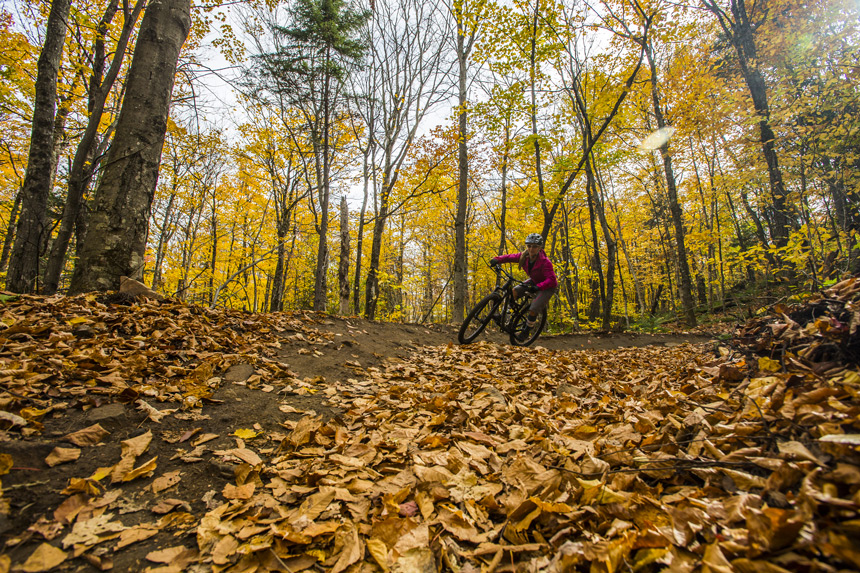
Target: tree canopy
point(752, 187)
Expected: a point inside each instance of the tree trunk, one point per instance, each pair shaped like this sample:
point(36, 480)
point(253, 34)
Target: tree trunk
point(10, 231)
point(32, 226)
point(321, 272)
point(656, 300)
point(566, 257)
point(83, 164)
point(371, 288)
point(708, 220)
point(213, 248)
point(598, 292)
point(460, 261)
point(611, 244)
point(356, 286)
point(116, 238)
point(320, 292)
point(276, 295)
point(533, 108)
point(503, 215)
point(163, 238)
point(343, 265)
point(399, 299)
point(637, 282)
point(674, 206)
point(739, 30)
point(427, 303)
point(278, 283)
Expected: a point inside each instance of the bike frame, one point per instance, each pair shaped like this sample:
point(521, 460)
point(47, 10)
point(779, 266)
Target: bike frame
point(509, 307)
point(500, 307)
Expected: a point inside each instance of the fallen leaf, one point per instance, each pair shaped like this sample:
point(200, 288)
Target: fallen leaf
point(44, 558)
point(350, 545)
point(247, 456)
point(143, 470)
point(62, 455)
point(131, 449)
point(13, 419)
point(299, 563)
point(301, 434)
point(768, 365)
point(168, 505)
point(178, 555)
point(88, 436)
point(166, 481)
point(225, 547)
point(203, 439)
point(6, 464)
point(135, 534)
point(850, 439)
point(239, 492)
point(93, 531)
point(102, 563)
point(246, 434)
point(794, 450)
point(715, 561)
point(153, 413)
point(85, 485)
point(189, 434)
point(47, 529)
point(458, 525)
point(67, 510)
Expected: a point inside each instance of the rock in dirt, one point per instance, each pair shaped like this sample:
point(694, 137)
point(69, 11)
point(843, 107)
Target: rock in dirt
point(239, 373)
point(108, 413)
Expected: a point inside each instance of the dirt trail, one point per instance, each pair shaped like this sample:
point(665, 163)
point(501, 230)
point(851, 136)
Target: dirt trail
point(370, 343)
point(330, 351)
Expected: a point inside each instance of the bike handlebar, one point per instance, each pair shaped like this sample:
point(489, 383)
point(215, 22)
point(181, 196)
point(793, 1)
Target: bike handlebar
point(499, 270)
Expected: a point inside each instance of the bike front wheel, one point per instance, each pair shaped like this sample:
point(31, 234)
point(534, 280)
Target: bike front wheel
point(521, 335)
point(479, 318)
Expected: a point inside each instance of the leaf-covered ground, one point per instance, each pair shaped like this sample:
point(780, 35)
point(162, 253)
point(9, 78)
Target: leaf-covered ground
point(144, 435)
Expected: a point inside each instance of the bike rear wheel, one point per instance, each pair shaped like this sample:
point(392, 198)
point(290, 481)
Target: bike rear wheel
point(520, 336)
point(479, 318)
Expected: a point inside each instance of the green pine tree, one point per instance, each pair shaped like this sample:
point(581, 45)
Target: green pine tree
point(323, 42)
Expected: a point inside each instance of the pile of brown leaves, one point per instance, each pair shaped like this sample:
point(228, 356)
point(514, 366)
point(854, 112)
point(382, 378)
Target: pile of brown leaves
point(822, 333)
point(497, 458)
point(82, 351)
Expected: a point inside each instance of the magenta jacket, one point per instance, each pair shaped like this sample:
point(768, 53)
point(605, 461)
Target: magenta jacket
point(541, 272)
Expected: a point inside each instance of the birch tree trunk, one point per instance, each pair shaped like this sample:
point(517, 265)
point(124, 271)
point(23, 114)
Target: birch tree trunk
point(116, 237)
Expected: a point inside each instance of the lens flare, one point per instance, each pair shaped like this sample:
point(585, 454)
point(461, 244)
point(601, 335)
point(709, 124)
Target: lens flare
point(656, 139)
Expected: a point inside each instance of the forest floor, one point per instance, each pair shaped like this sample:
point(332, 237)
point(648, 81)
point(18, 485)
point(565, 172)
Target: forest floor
point(145, 435)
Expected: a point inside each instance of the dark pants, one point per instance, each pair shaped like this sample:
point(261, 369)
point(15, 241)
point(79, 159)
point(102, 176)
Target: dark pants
point(540, 300)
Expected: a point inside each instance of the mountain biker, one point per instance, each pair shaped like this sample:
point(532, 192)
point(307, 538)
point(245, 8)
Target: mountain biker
point(541, 276)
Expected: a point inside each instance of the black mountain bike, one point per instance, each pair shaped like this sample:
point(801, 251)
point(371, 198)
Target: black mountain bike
point(500, 307)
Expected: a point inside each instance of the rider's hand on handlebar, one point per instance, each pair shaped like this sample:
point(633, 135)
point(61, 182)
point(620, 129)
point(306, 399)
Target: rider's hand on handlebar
point(532, 288)
point(494, 262)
